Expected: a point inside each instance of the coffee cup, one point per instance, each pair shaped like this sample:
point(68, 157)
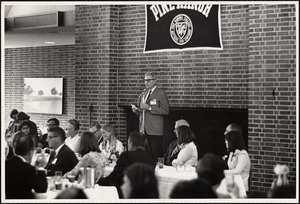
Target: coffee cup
point(71, 178)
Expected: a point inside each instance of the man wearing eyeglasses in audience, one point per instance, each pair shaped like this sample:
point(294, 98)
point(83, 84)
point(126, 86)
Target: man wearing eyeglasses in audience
point(96, 129)
point(154, 106)
point(52, 122)
point(62, 158)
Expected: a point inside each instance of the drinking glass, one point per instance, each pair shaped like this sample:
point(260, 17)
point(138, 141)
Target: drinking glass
point(70, 177)
point(160, 162)
point(58, 180)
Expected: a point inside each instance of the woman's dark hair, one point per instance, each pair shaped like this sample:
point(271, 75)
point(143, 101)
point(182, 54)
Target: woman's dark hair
point(72, 193)
point(13, 112)
point(25, 123)
point(235, 140)
point(143, 181)
point(88, 143)
point(185, 134)
point(211, 168)
point(196, 188)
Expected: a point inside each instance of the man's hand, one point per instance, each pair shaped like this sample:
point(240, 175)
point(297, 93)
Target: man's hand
point(135, 109)
point(41, 161)
point(145, 106)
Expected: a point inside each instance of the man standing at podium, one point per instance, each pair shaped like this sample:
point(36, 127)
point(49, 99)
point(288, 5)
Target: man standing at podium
point(154, 105)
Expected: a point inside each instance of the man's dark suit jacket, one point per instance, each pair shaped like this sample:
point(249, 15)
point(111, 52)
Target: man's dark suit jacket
point(66, 160)
point(126, 159)
point(21, 178)
point(154, 119)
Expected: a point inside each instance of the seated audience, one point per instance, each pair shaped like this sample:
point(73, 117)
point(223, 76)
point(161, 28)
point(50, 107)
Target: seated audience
point(196, 188)
point(187, 148)
point(72, 193)
point(52, 122)
point(210, 168)
point(136, 153)
point(24, 117)
point(6, 149)
point(238, 160)
point(63, 158)
point(96, 129)
point(20, 177)
point(91, 154)
point(11, 143)
point(173, 149)
point(111, 146)
point(139, 181)
point(26, 128)
point(13, 125)
point(73, 138)
point(283, 191)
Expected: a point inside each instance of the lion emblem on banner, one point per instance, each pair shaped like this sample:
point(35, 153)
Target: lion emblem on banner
point(181, 29)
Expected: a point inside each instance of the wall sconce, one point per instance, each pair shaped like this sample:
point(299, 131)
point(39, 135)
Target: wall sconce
point(273, 93)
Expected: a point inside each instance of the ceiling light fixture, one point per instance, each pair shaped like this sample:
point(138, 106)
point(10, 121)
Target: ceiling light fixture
point(50, 42)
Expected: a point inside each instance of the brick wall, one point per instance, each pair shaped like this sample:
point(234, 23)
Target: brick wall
point(39, 62)
point(96, 37)
point(204, 78)
point(272, 67)
point(258, 57)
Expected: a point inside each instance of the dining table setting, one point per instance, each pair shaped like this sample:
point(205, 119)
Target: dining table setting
point(168, 176)
point(95, 193)
point(85, 181)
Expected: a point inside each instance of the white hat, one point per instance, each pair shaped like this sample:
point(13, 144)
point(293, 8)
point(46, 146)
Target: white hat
point(181, 122)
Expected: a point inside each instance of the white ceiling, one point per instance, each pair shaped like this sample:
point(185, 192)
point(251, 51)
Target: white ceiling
point(32, 38)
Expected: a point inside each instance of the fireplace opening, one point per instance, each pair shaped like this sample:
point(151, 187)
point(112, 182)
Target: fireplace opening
point(208, 125)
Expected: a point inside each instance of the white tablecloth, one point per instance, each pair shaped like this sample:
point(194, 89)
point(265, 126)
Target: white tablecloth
point(96, 194)
point(167, 177)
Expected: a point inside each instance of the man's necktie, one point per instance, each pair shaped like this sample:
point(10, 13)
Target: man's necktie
point(51, 158)
point(148, 95)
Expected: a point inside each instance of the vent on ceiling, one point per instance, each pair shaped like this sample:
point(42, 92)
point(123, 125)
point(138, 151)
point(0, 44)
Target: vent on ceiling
point(45, 20)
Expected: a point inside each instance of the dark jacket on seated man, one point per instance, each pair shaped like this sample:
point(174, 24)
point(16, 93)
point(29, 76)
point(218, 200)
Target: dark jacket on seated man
point(65, 160)
point(20, 177)
point(171, 153)
point(136, 153)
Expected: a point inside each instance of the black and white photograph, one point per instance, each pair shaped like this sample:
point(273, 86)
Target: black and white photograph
point(150, 101)
point(43, 95)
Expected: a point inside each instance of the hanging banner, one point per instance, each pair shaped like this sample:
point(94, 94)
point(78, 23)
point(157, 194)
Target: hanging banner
point(182, 27)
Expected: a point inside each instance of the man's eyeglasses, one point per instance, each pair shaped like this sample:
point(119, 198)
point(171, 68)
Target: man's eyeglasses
point(96, 131)
point(50, 137)
point(148, 80)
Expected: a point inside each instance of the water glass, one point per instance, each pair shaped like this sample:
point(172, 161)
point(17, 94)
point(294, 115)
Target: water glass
point(58, 180)
point(160, 162)
point(71, 178)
